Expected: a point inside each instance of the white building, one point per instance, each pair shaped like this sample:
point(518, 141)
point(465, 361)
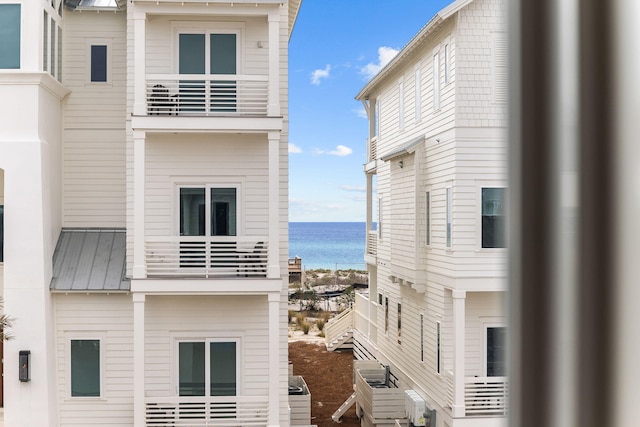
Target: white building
point(143, 184)
point(436, 186)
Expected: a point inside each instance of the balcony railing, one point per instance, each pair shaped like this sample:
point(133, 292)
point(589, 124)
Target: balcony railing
point(372, 243)
point(206, 257)
point(206, 95)
point(206, 411)
point(485, 396)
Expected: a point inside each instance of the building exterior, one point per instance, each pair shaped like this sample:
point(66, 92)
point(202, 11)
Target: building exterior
point(143, 189)
point(436, 254)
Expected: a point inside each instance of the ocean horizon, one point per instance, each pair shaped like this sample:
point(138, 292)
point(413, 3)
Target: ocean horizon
point(328, 245)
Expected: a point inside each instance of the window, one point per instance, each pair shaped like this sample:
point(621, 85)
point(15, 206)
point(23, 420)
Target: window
point(45, 42)
point(436, 82)
point(208, 211)
point(427, 200)
point(399, 323)
point(418, 95)
point(376, 117)
point(495, 339)
point(447, 64)
point(380, 299)
point(449, 217)
point(9, 36)
point(421, 337)
point(99, 63)
point(379, 218)
point(1, 233)
point(85, 368)
point(386, 315)
point(208, 368)
point(401, 105)
point(438, 348)
point(493, 226)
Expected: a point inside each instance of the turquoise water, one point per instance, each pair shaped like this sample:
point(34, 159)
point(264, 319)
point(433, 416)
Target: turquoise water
point(323, 244)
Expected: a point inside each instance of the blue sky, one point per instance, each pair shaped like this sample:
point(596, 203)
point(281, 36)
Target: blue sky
point(336, 47)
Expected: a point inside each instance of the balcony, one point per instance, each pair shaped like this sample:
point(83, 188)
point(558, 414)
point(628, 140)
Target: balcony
point(206, 411)
point(205, 257)
point(206, 95)
point(485, 396)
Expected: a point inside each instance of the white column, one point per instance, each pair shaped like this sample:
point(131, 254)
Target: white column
point(139, 268)
point(458, 352)
point(369, 203)
point(273, 108)
point(273, 269)
point(274, 359)
point(138, 360)
point(139, 57)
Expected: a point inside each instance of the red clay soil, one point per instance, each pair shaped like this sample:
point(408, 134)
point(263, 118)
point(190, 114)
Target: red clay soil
point(329, 376)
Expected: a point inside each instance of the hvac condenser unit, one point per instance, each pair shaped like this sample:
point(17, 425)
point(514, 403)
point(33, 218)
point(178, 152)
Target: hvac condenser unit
point(415, 408)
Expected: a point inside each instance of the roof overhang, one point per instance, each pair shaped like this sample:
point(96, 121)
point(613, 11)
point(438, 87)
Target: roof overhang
point(405, 53)
point(404, 149)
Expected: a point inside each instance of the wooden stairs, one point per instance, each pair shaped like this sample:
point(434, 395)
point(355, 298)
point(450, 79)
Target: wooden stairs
point(339, 331)
point(344, 407)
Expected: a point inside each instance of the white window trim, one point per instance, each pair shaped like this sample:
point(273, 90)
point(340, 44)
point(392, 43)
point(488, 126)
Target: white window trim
point(385, 314)
point(206, 337)
point(380, 215)
point(447, 62)
point(418, 93)
point(479, 186)
point(437, 90)
point(438, 348)
point(207, 183)
point(94, 335)
point(206, 28)
point(428, 218)
point(496, 323)
point(448, 216)
point(97, 42)
point(421, 345)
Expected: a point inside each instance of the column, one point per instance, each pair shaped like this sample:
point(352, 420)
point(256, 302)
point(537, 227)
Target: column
point(273, 108)
point(139, 267)
point(458, 352)
point(138, 360)
point(273, 262)
point(274, 359)
point(139, 57)
point(369, 205)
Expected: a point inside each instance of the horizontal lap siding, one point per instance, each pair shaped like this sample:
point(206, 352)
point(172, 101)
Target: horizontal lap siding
point(402, 212)
point(213, 159)
point(168, 318)
point(94, 124)
point(109, 317)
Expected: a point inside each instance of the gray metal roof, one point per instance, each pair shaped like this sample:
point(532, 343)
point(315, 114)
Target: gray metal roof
point(90, 260)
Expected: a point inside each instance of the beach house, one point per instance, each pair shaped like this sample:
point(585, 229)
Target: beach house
point(143, 192)
point(433, 323)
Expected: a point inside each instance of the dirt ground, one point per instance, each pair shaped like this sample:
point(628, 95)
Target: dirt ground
point(329, 376)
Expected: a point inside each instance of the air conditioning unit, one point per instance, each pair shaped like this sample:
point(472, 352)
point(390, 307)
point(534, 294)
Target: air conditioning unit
point(415, 407)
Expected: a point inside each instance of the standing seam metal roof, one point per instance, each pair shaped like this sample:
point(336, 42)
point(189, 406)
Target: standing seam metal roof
point(90, 260)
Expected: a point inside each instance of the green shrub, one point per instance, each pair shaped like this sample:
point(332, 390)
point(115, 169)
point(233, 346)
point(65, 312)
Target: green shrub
point(320, 324)
point(299, 319)
point(306, 326)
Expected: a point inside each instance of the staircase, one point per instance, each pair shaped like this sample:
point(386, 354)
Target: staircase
point(339, 331)
point(343, 408)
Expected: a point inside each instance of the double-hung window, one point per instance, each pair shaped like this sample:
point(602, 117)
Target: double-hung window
point(86, 369)
point(208, 367)
point(493, 219)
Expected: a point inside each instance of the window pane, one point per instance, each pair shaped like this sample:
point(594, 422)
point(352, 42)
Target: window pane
point(428, 218)
point(191, 368)
point(493, 227)
point(9, 36)
point(59, 58)
point(192, 214)
point(191, 53)
point(98, 63)
point(223, 212)
point(45, 42)
point(53, 51)
point(438, 347)
point(223, 368)
point(495, 352)
point(223, 53)
point(85, 368)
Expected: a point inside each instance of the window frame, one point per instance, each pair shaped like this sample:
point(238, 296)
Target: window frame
point(386, 315)
point(206, 338)
point(207, 28)
point(85, 336)
point(238, 185)
point(98, 42)
point(447, 63)
point(482, 185)
point(485, 358)
point(427, 218)
point(20, 31)
point(421, 329)
point(418, 93)
point(438, 361)
point(449, 217)
point(399, 313)
point(436, 81)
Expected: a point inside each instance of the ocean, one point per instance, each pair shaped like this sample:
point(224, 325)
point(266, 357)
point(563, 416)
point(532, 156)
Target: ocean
point(325, 244)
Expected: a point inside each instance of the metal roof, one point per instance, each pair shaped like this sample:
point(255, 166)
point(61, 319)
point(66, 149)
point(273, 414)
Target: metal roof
point(407, 148)
point(90, 260)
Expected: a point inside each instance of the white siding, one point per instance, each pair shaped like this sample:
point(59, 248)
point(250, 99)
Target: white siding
point(110, 318)
point(94, 124)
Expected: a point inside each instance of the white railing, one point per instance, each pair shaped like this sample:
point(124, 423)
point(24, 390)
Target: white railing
point(485, 396)
point(372, 242)
point(207, 95)
point(361, 313)
point(339, 325)
point(206, 257)
point(206, 411)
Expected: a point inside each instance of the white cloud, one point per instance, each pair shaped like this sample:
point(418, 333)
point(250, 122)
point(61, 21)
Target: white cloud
point(320, 74)
point(385, 55)
point(356, 188)
point(340, 151)
point(361, 112)
point(294, 149)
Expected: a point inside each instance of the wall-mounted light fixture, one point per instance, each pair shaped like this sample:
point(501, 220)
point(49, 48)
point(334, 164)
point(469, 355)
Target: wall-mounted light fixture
point(24, 373)
point(401, 163)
